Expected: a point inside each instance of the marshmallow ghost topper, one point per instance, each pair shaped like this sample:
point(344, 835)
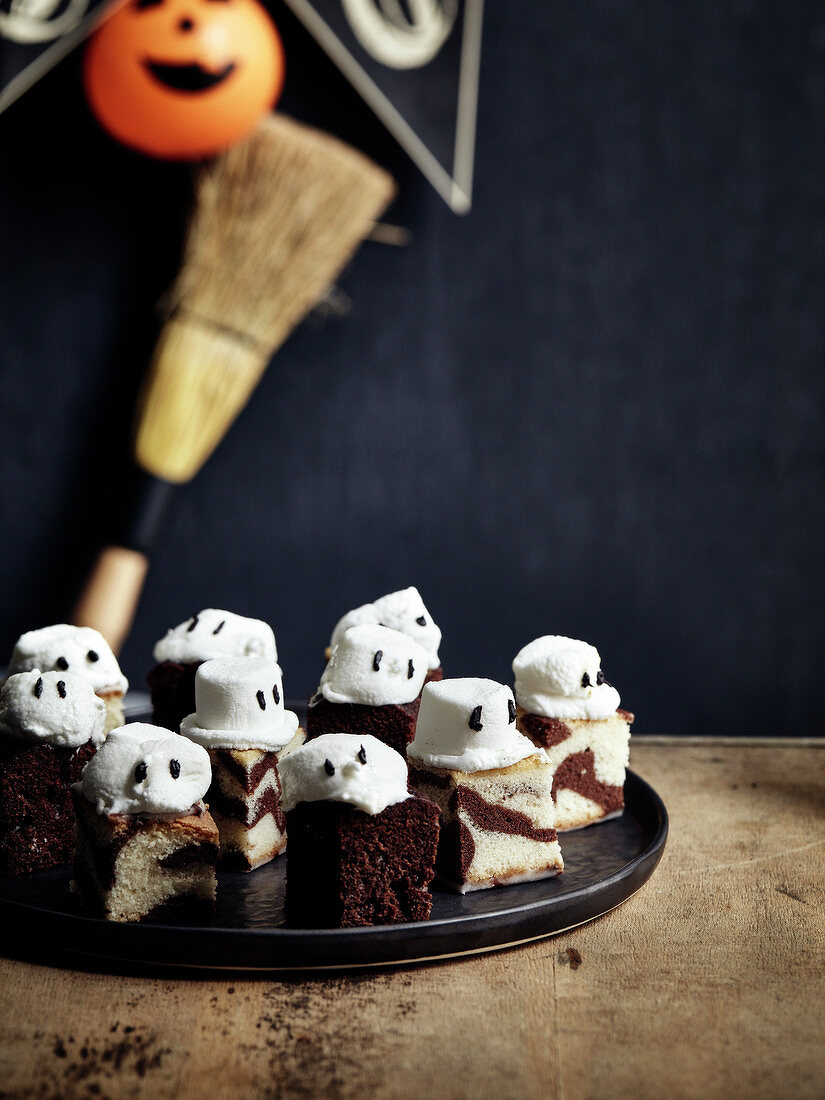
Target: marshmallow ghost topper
point(344, 767)
point(561, 677)
point(212, 633)
point(404, 611)
point(145, 769)
point(375, 666)
point(183, 79)
point(468, 725)
point(57, 707)
point(239, 705)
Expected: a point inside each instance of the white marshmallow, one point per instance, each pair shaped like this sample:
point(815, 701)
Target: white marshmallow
point(240, 705)
point(52, 706)
point(561, 677)
point(375, 666)
point(64, 648)
point(213, 633)
point(143, 769)
point(344, 767)
point(404, 611)
point(468, 725)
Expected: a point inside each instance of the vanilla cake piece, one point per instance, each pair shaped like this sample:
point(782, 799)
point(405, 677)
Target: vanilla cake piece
point(403, 610)
point(372, 684)
point(240, 719)
point(50, 725)
point(210, 634)
point(80, 650)
point(145, 844)
point(491, 784)
point(566, 707)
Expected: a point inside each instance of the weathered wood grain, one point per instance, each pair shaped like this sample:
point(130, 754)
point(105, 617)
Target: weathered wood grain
point(710, 982)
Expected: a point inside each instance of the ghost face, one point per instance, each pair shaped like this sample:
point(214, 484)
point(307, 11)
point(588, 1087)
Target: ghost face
point(144, 769)
point(374, 666)
point(52, 706)
point(403, 611)
point(561, 666)
point(344, 767)
point(79, 650)
point(239, 704)
point(213, 633)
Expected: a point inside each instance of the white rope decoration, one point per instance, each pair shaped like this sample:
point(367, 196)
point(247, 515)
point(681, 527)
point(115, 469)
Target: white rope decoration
point(397, 39)
point(40, 20)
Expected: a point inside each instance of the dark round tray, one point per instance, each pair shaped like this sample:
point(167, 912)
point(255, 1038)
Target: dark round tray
point(603, 866)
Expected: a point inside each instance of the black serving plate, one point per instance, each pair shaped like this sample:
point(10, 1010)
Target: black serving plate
point(603, 866)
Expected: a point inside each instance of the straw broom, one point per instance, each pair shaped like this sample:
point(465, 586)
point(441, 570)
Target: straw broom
point(275, 220)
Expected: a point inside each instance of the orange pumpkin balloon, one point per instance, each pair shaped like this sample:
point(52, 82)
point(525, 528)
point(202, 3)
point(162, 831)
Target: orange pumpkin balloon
point(183, 79)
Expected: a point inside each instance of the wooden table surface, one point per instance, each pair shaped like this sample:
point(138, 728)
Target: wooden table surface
point(708, 983)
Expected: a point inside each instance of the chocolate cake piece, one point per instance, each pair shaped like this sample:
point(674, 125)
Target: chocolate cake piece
point(36, 817)
point(141, 867)
point(172, 688)
point(566, 707)
point(346, 868)
point(50, 724)
point(393, 723)
point(362, 847)
point(145, 843)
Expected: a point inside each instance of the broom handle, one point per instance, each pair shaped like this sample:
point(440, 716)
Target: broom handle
point(111, 595)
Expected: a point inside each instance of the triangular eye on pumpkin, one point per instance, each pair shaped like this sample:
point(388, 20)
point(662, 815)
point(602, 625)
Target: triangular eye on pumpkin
point(183, 79)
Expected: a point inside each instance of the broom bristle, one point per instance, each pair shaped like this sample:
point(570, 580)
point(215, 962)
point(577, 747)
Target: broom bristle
point(275, 220)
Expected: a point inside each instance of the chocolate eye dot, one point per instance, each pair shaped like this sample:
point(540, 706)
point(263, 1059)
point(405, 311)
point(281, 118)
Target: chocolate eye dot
point(92, 656)
point(586, 680)
point(261, 699)
point(276, 695)
point(329, 767)
point(511, 710)
point(475, 720)
point(376, 661)
point(38, 687)
point(421, 620)
point(141, 771)
point(362, 755)
point(410, 669)
point(174, 768)
point(61, 688)
point(192, 625)
point(62, 663)
point(600, 677)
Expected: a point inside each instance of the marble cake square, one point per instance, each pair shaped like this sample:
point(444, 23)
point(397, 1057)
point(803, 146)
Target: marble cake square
point(134, 867)
point(245, 801)
point(589, 758)
point(497, 826)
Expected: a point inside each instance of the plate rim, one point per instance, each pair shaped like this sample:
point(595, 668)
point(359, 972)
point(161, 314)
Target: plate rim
point(391, 944)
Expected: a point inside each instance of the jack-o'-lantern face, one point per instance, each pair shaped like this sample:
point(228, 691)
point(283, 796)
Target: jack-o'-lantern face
point(183, 78)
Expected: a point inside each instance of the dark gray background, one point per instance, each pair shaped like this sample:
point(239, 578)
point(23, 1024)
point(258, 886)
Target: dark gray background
point(591, 407)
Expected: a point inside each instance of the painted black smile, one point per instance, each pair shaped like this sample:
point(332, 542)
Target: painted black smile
point(188, 78)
